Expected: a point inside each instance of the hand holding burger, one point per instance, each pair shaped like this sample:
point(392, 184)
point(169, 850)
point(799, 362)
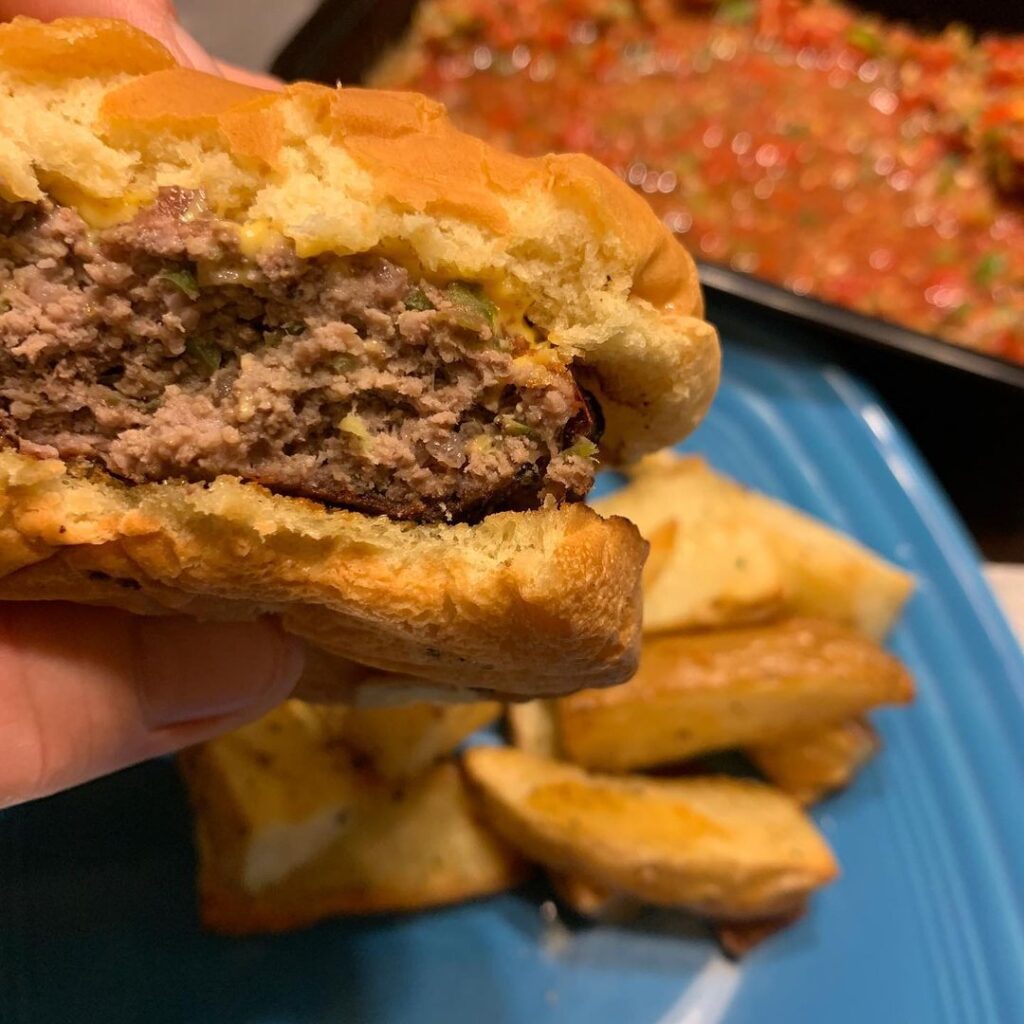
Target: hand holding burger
point(318, 356)
point(85, 691)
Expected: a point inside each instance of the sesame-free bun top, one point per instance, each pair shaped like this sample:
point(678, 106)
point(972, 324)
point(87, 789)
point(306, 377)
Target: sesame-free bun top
point(98, 116)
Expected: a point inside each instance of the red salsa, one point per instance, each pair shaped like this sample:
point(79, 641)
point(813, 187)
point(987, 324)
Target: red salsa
point(825, 150)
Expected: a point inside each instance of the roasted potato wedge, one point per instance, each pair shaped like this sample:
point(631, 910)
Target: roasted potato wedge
point(828, 575)
point(720, 571)
point(809, 767)
point(662, 545)
point(284, 841)
point(590, 900)
point(581, 896)
point(740, 557)
point(274, 794)
point(403, 742)
point(738, 938)
point(331, 679)
point(531, 727)
point(702, 692)
point(718, 846)
point(326, 676)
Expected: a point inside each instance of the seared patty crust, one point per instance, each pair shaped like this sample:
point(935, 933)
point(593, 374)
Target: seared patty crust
point(158, 349)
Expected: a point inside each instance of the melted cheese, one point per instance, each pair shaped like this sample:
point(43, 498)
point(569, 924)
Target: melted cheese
point(98, 213)
point(256, 236)
point(513, 307)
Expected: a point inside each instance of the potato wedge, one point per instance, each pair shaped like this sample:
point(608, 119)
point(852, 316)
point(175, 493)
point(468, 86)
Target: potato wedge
point(331, 679)
point(738, 938)
point(531, 727)
point(590, 900)
point(398, 848)
point(719, 846)
point(662, 543)
point(702, 692)
point(403, 742)
point(809, 767)
point(830, 576)
point(326, 676)
point(274, 794)
point(740, 557)
point(581, 896)
point(721, 571)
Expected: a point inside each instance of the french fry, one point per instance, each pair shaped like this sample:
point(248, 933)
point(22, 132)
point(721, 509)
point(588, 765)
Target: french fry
point(740, 557)
point(722, 847)
point(698, 693)
point(531, 727)
point(387, 847)
point(402, 742)
point(811, 766)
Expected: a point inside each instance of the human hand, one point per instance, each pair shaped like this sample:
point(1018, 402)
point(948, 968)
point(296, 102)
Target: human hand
point(86, 691)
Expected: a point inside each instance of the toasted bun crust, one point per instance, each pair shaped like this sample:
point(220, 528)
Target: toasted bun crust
point(522, 604)
point(97, 114)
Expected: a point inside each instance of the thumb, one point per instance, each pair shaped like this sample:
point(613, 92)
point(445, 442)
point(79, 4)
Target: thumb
point(86, 691)
point(155, 17)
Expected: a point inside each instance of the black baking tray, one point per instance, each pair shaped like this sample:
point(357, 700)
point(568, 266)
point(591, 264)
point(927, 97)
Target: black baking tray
point(965, 409)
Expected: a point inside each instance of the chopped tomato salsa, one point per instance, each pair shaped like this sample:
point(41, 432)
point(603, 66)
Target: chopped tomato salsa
point(831, 152)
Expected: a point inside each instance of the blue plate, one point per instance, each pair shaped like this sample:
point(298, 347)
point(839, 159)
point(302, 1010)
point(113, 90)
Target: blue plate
point(97, 907)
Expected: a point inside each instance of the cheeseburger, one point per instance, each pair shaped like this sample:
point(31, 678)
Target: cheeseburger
point(317, 354)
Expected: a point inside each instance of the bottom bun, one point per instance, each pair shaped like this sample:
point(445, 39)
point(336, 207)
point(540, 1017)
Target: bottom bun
point(522, 604)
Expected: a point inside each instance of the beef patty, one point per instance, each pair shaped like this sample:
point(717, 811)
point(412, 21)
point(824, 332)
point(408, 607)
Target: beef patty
point(158, 350)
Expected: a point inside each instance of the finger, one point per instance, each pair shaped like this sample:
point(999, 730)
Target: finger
point(189, 53)
point(155, 17)
point(86, 691)
point(260, 81)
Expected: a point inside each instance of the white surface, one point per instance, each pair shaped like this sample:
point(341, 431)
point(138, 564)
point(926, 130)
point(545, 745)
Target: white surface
point(1008, 583)
point(243, 32)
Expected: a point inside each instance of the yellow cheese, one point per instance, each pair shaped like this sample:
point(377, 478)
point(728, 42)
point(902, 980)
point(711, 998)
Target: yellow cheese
point(256, 236)
point(513, 307)
point(97, 212)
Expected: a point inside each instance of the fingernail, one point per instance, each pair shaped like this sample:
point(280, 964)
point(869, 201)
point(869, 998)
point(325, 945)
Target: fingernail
point(188, 670)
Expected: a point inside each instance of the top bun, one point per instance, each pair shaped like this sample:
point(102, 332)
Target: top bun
point(97, 116)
